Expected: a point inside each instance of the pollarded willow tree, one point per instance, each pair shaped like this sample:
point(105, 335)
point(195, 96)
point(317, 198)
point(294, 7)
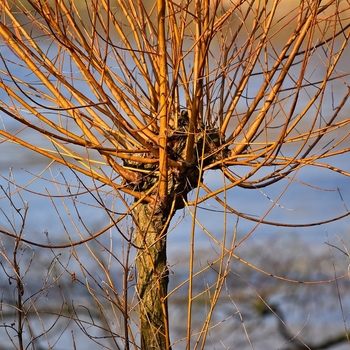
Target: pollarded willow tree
point(145, 97)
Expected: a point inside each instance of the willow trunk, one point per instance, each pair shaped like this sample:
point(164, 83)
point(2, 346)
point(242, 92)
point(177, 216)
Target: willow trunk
point(152, 277)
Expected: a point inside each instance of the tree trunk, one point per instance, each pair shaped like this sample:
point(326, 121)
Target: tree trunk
point(153, 221)
point(152, 277)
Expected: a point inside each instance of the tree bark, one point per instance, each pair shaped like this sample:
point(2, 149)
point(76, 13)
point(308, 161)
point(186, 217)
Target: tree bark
point(152, 277)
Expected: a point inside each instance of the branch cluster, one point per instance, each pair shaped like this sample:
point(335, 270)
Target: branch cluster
point(208, 149)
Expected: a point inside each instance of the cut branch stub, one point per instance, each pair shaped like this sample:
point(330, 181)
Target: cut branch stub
point(180, 180)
